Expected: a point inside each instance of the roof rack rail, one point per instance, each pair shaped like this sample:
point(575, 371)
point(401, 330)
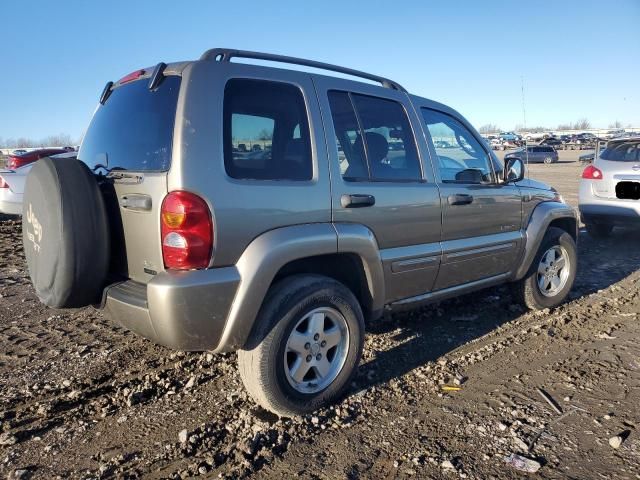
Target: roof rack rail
point(226, 54)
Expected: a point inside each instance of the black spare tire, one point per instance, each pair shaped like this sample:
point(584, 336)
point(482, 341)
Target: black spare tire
point(65, 233)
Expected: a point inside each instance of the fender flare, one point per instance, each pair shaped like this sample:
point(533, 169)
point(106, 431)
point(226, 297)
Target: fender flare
point(269, 252)
point(543, 215)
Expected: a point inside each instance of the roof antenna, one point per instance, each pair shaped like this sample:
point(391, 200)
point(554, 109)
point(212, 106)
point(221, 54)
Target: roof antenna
point(524, 119)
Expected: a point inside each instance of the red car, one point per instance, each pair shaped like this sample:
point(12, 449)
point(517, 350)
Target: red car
point(16, 161)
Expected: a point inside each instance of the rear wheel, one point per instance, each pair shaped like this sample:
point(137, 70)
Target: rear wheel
point(305, 347)
point(599, 230)
point(552, 272)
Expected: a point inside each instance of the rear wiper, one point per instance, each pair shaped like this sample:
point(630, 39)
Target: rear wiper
point(157, 76)
point(106, 92)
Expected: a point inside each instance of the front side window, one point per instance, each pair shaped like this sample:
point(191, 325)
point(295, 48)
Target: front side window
point(266, 131)
point(374, 139)
point(460, 156)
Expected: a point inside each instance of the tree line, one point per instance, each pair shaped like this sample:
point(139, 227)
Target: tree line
point(60, 140)
point(582, 124)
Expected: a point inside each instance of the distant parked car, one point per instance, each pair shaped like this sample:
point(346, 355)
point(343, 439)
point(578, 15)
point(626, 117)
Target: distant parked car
point(17, 161)
point(535, 154)
point(614, 133)
point(509, 136)
point(551, 142)
point(609, 191)
point(537, 136)
point(587, 157)
point(19, 151)
point(496, 144)
point(12, 185)
point(442, 144)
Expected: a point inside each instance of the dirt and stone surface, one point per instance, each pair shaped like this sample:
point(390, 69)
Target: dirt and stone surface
point(447, 391)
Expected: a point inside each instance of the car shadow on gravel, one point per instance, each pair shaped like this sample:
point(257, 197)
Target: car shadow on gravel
point(405, 341)
point(5, 218)
point(408, 340)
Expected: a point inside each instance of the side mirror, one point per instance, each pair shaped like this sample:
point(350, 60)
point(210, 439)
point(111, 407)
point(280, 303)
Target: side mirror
point(513, 170)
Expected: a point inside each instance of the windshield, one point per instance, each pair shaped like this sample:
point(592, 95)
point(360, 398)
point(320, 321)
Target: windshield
point(133, 130)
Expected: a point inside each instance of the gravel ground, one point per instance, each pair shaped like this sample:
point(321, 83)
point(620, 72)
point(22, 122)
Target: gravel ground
point(81, 397)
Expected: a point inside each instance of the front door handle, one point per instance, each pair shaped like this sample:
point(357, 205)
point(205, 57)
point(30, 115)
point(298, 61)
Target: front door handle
point(357, 200)
point(460, 199)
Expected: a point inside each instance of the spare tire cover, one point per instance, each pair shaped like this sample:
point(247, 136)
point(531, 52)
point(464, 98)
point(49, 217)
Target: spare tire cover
point(65, 233)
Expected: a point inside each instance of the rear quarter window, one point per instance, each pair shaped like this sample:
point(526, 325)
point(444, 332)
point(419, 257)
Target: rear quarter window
point(133, 130)
point(266, 131)
point(622, 152)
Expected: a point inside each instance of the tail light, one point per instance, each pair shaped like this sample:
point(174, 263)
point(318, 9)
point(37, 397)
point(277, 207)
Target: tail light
point(592, 173)
point(12, 163)
point(3, 184)
point(186, 231)
point(131, 76)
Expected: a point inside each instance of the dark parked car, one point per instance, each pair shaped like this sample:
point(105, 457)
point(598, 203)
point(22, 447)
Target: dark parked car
point(17, 161)
point(551, 142)
point(535, 154)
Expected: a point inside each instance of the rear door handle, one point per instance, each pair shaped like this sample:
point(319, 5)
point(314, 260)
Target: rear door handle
point(460, 199)
point(357, 200)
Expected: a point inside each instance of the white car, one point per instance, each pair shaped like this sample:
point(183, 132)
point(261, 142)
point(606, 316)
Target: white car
point(11, 189)
point(610, 188)
point(12, 186)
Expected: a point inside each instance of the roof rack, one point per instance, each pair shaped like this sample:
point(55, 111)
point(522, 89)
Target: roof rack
point(226, 54)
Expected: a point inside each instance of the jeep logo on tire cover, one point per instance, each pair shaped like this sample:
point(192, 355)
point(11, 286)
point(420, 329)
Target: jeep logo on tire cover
point(36, 236)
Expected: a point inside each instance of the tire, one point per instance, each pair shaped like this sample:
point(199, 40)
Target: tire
point(599, 230)
point(65, 233)
point(548, 160)
point(528, 291)
point(266, 362)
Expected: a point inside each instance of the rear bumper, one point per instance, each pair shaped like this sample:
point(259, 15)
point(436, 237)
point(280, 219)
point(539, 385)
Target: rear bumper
point(10, 203)
point(613, 213)
point(180, 310)
point(594, 209)
point(10, 208)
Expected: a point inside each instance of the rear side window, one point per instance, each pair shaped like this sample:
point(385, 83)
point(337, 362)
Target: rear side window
point(622, 152)
point(266, 131)
point(133, 130)
point(374, 138)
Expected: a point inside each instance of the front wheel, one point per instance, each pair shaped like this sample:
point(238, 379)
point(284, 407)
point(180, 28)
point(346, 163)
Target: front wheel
point(552, 272)
point(548, 160)
point(305, 347)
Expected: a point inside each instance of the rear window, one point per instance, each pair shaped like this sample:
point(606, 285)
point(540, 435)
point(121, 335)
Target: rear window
point(133, 130)
point(622, 152)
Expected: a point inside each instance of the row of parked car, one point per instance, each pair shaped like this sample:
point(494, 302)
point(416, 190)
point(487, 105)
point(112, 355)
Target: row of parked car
point(578, 141)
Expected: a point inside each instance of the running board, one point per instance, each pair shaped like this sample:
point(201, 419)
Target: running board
point(439, 295)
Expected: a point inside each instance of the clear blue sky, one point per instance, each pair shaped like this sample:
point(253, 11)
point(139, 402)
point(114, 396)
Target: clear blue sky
point(578, 58)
